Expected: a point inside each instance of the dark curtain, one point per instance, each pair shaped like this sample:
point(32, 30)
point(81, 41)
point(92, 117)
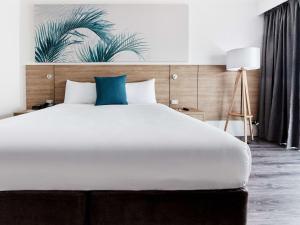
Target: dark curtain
point(279, 93)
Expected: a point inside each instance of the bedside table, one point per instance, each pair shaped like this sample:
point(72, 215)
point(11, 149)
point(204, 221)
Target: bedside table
point(195, 113)
point(23, 112)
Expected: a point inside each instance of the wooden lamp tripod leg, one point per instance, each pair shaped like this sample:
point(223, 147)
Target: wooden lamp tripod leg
point(248, 107)
point(236, 84)
point(244, 105)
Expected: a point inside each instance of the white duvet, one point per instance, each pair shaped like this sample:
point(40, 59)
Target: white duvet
point(130, 147)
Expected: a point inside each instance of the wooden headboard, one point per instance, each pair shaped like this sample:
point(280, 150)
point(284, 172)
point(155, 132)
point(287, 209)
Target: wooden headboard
point(54, 87)
point(207, 88)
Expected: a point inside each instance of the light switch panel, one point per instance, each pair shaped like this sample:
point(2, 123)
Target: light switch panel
point(174, 102)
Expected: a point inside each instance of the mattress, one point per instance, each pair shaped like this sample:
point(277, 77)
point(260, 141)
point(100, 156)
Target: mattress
point(118, 147)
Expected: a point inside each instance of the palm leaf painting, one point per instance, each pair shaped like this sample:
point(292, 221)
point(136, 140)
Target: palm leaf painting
point(107, 51)
point(55, 36)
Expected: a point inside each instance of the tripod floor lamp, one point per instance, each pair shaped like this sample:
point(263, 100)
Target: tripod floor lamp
point(241, 60)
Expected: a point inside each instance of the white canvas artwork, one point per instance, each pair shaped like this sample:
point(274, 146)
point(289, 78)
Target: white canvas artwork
point(111, 33)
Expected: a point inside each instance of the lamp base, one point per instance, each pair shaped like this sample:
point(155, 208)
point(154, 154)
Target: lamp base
point(245, 105)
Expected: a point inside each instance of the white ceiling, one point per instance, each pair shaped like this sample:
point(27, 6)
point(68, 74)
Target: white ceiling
point(265, 5)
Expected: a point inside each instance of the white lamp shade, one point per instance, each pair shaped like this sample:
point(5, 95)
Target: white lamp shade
point(246, 58)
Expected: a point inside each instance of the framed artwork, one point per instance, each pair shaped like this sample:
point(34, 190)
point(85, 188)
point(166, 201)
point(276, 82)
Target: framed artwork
point(111, 33)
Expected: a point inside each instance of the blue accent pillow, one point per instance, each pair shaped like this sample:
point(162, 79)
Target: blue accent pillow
point(111, 90)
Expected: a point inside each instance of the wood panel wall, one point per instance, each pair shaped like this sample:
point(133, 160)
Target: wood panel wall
point(185, 87)
point(211, 90)
point(38, 87)
point(206, 87)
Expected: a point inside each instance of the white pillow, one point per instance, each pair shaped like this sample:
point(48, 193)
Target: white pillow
point(80, 93)
point(141, 92)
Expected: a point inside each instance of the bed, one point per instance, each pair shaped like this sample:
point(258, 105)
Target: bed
point(120, 165)
point(129, 147)
point(118, 148)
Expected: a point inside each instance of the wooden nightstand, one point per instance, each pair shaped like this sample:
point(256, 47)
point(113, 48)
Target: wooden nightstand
point(195, 113)
point(23, 112)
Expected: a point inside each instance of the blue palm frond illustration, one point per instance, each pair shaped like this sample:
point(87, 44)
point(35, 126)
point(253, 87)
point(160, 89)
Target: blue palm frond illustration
point(107, 51)
point(53, 37)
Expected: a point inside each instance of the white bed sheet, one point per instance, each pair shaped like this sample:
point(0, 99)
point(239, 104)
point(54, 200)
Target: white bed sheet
point(129, 147)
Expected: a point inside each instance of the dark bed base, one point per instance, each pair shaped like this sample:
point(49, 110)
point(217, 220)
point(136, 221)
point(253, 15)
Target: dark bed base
point(223, 207)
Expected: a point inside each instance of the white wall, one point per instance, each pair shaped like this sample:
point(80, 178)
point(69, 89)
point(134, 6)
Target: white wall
point(219, 25)
point(10, 96)
point(215, 26)
point(265, 5)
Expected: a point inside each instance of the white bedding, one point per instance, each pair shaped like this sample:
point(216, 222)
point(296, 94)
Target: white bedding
point(129, 147)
